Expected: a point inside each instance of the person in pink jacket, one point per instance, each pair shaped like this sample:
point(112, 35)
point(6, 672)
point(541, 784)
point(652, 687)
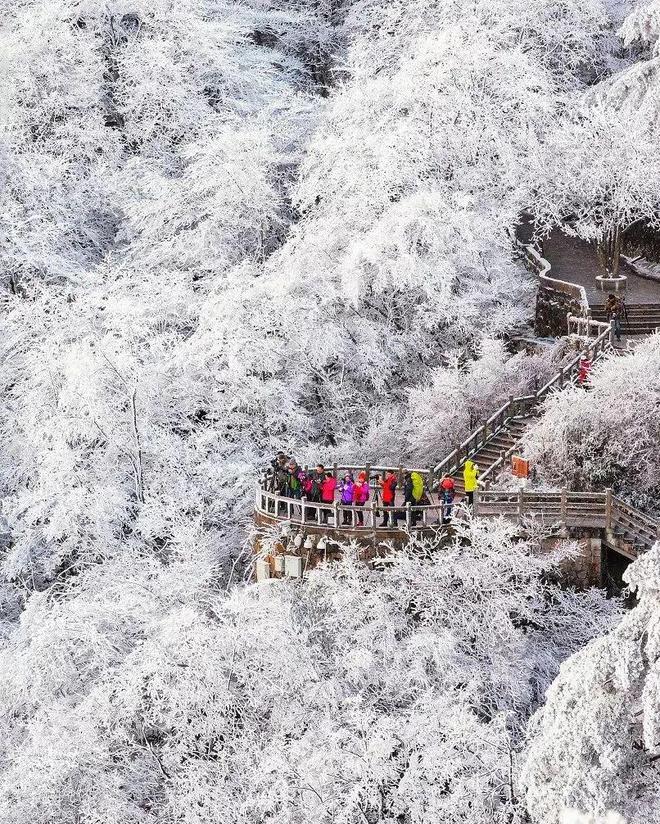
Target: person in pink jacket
point(328, 486)
point(361, 494)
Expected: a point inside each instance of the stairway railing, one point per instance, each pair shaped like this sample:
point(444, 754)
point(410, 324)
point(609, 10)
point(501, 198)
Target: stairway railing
point(519, 407)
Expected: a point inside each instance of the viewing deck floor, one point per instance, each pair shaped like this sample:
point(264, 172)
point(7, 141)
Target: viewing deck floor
point(575, 260)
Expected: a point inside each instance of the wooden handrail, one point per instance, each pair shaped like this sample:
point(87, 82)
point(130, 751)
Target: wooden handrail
point(527, 403)
point(578, 509)
point(312, 513)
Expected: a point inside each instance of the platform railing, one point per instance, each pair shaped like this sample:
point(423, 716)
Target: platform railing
point(561, 508)
point(340, 517)
point(601, 510)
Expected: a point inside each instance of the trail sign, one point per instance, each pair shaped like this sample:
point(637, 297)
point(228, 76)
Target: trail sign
point(519, 467)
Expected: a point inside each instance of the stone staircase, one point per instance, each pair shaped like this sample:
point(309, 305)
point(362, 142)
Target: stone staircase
point(501, 444)
point(492, 444)
point(640, 318)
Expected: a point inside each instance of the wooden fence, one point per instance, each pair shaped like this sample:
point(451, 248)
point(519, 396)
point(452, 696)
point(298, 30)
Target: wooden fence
point(563, 509)
point(343, 517)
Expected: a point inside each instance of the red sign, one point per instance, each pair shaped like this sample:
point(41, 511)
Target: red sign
point(519, 467)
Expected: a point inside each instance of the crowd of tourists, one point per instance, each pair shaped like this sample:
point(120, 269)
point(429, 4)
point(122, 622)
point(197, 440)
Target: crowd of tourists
point(289, 480)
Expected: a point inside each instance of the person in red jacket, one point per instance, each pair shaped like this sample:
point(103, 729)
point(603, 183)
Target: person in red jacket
point(361, 494)
point(388, 491)
point(447, 493)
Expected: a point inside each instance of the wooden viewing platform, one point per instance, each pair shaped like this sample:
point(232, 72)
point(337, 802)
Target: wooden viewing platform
point(560, 509)
point(594, 516)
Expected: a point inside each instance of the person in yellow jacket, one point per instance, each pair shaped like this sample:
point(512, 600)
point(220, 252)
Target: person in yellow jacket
point(417, 486)
point(470, 480)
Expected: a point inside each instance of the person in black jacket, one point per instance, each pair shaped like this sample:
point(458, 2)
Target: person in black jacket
point(317, 476)
point(279, 473)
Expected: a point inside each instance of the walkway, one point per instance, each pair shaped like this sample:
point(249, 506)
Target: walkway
point(623, 528)
point(575, 260)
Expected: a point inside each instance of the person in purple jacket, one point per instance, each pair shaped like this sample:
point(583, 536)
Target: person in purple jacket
point(346, 491)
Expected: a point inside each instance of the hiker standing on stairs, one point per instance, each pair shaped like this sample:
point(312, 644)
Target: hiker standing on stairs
point(470, 480)
point(614, 308)
point(447, 494)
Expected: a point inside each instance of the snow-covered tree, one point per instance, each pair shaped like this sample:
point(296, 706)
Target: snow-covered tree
point(643, 23)
point(575, 817)
point(608, 436)
point(594, 745)
point(137, 694)
point(230, 226)
point(599, 175)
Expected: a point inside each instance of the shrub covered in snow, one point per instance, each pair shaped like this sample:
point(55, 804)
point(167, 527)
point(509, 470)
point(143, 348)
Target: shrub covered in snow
point(608, 435)
point(596, 743)
point(134, 694)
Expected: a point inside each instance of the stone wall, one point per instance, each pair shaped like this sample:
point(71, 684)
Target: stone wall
point(269, 536)
point(555, 299)
point(585, 570)
point(552, 309)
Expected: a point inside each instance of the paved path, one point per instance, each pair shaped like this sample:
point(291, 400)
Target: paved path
point(575, 260)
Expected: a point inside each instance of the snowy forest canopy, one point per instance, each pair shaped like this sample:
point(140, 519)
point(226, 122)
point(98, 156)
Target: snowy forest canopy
point(233, 226)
